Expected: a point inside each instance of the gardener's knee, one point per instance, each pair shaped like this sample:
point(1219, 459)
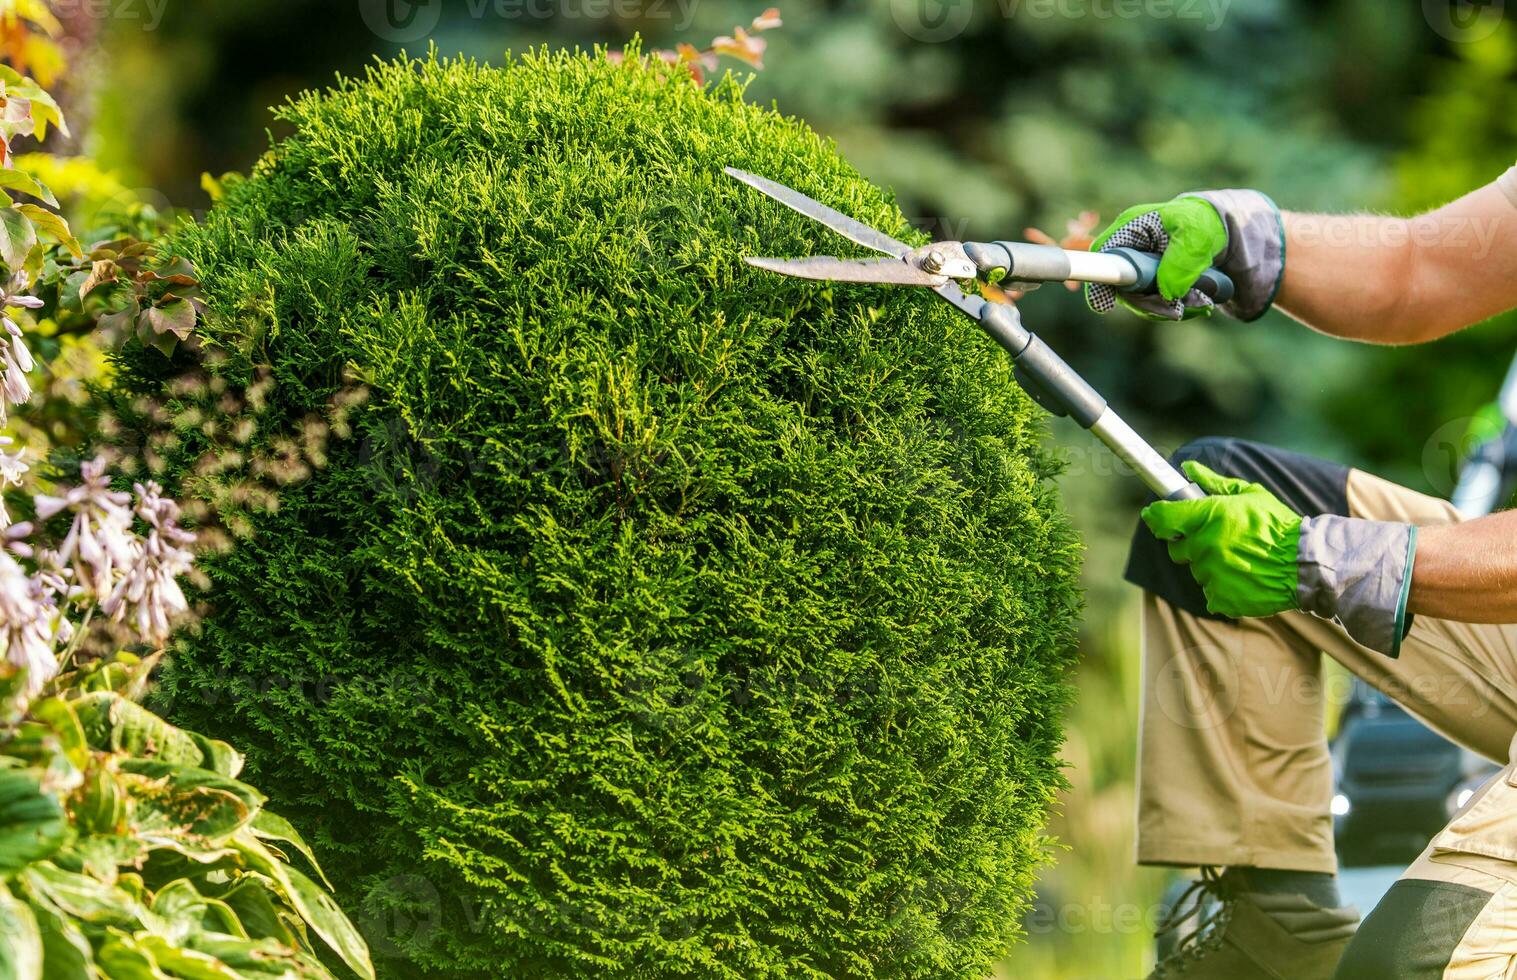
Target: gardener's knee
point(1224, 454)
point(1416, 932)
point(1305, 484)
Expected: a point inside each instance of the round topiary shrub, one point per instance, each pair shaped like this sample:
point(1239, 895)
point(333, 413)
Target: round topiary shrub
point(660, 616)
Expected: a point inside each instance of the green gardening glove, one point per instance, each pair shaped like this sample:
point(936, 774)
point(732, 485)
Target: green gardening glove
point(1240, 543)
point(1240, 232)
point(1189, 235)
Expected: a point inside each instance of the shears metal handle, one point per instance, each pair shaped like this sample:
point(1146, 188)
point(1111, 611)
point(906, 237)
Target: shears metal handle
point(1125, 269)
point(1056, 386)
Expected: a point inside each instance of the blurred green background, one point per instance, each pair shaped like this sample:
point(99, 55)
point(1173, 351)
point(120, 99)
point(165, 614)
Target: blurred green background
point(987, 117)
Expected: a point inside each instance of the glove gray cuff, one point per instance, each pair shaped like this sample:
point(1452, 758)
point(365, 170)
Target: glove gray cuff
point(1358, 574)
point(1255, 253)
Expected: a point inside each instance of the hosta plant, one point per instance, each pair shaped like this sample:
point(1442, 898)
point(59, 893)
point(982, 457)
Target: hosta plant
point(129, 848)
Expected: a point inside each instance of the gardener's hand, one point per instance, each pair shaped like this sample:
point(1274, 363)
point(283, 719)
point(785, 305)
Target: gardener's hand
point(1239, 232)
point(1240, 543)
point(1254, 556)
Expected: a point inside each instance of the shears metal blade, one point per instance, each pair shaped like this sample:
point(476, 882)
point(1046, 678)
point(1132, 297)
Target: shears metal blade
point(892, 272)
point(1021, 265)
point(854, 231)
point(931, 265)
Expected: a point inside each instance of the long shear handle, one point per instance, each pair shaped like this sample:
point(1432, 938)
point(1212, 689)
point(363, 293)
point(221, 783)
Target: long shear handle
point(1052, 383)
point(1124, 269)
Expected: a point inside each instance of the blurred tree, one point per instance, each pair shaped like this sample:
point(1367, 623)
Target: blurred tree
point(1463, 133)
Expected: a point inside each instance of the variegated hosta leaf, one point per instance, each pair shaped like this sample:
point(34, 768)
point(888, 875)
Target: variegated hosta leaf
point(32, 821)
point(60, 717)
point(113, 723)
point(66, 952)
point(252, 898)
point(20, 939)
point(81, 897)
point(183, 777)
point(197, 817)
point(182, 962)
point(98, 798)
point(101, 805)
point(100, 855)
point(121, 957)
point(188, 804)
point(186, 912)
point(270, 826)
point(315, 906)
point(259, 958)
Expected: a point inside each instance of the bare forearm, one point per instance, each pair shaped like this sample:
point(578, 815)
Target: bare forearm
point(1402, 280)
point(1344, 277)
point(1467, 572)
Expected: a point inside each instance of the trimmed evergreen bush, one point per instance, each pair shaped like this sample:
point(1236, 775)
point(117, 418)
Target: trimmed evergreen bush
point(661, 617)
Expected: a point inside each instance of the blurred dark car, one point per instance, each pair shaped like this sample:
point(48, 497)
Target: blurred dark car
point(1397, 781)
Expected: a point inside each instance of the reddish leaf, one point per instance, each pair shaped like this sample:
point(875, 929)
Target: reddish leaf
point(149, 337)
point(177, 266)
point(174, 316)
point(176, 279)
point(118, 322)
point(996, 294)
point(691, 55)
point(742, 46)
point(768, 20)
point(1080, 230)
point(109, 250)
point(101, 271)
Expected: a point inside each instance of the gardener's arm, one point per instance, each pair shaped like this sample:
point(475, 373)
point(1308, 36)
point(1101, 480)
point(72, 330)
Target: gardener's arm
point(1403, 280)
point(1365, 277)
point(1467, 572)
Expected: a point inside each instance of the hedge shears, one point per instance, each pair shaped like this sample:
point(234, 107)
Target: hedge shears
point(1040, 371)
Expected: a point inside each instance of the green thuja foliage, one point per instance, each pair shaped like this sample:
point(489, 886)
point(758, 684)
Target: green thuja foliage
point(660, 617)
